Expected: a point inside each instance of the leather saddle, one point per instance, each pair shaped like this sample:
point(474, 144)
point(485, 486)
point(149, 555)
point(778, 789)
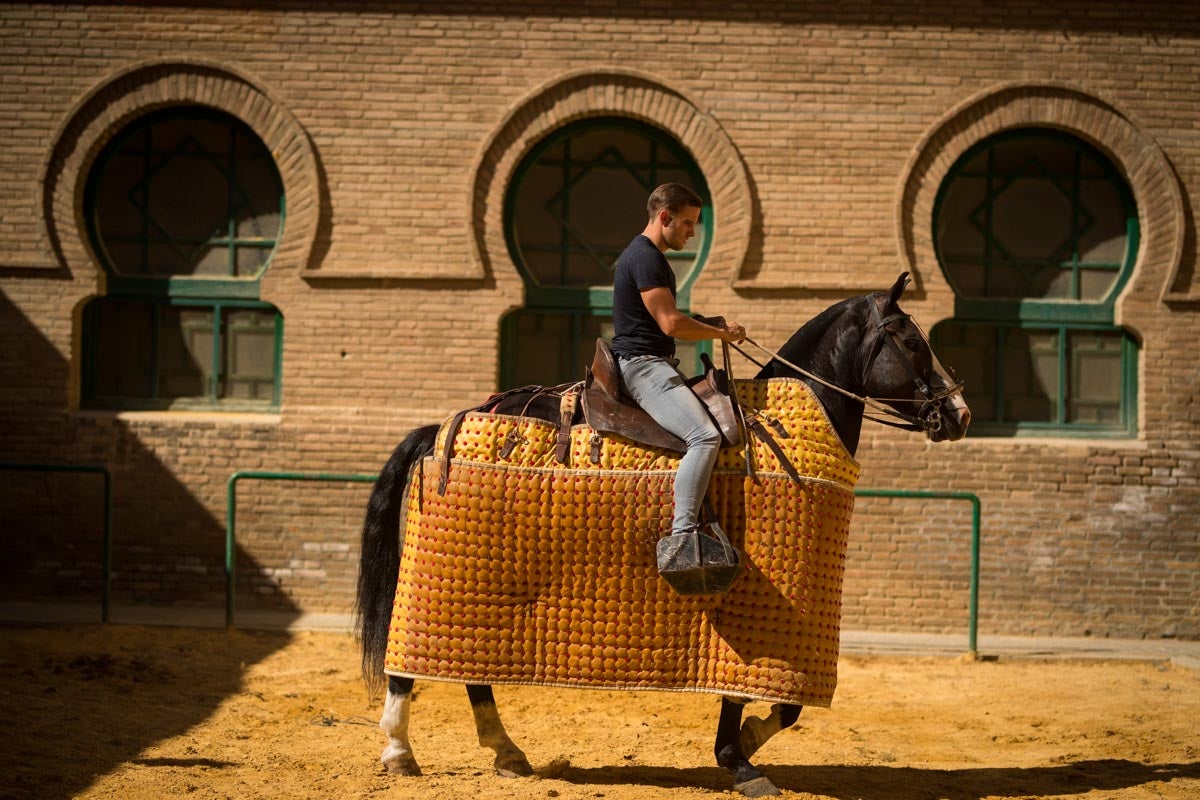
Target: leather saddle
point(607, 408)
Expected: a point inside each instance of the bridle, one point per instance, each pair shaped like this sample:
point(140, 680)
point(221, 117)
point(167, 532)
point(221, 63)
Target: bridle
point(928, 418)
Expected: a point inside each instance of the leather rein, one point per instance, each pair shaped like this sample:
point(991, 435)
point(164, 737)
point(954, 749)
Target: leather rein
point(928, 418)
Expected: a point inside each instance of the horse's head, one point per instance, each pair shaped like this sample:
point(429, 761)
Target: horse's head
point(901, 370)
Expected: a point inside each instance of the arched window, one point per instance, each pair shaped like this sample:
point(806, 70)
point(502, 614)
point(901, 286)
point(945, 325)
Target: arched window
point(1037, 233)
point(575, 202)
point(184, 208)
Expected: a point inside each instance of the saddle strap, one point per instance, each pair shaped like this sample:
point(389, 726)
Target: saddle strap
point(739, 412)
point(566, 415)
point(452, 432)
point(448, 451)
point(760, 430)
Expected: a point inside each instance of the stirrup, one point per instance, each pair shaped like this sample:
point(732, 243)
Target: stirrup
point(694, 562)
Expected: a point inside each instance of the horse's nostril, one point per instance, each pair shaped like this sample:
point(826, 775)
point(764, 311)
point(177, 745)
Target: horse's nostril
point(966, 418)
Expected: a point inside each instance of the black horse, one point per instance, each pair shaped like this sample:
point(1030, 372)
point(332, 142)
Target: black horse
point(861, 350)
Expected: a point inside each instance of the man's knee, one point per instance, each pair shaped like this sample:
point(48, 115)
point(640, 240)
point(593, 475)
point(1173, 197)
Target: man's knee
point(705, 438)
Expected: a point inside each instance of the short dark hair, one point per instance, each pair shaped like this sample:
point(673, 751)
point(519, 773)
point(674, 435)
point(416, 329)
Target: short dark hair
point(674, 197)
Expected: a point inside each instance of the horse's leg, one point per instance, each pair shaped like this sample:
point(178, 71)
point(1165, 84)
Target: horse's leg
point(756, 730)
point(510, 761)
point(746, 777)
point(397, 757)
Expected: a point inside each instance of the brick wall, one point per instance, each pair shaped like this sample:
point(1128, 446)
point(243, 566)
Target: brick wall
point(823, 133)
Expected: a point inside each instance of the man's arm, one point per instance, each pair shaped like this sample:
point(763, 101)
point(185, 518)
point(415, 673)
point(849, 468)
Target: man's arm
point(678, 325)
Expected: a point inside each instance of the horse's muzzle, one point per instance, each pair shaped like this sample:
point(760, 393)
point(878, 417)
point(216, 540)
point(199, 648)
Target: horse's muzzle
point(946, 420)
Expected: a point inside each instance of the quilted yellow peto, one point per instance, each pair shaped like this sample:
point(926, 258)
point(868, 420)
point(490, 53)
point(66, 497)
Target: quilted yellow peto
point(529, 572)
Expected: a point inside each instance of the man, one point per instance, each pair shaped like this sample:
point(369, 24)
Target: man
point(647, 323)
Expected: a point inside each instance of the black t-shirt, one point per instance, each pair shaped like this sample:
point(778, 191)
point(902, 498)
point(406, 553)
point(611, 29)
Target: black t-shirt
point(641, 266)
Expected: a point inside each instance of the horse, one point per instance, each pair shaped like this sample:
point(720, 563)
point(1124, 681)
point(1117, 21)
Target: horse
point(861, 351)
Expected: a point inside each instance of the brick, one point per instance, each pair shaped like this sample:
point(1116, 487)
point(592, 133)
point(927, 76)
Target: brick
point(825, 115)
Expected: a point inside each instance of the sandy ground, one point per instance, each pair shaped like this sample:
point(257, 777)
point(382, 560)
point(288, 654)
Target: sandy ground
point(139, 713)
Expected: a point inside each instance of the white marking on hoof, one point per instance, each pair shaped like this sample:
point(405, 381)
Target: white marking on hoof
point(397, 757)
point(513, 768)
point(757, 787)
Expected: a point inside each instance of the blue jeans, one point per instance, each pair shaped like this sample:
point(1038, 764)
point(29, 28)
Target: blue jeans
point(660, 389)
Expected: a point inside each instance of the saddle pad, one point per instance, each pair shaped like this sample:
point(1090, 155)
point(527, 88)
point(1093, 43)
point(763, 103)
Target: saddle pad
point(527, 572)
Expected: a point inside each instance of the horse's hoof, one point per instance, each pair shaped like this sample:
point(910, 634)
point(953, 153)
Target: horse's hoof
point(514, 768)
point(402, 765)
point(757, 787)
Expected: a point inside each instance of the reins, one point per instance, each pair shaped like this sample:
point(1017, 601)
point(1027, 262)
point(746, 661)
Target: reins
point(914, 422)
point(869, 402)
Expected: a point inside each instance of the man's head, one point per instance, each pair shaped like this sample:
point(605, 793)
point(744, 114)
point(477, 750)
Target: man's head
point(673, 198)
point(674, 210)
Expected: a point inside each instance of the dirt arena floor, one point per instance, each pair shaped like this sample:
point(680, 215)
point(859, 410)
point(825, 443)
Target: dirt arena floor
point(149, 713)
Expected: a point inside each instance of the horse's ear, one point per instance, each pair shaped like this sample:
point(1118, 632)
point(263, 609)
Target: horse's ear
point(898, 288)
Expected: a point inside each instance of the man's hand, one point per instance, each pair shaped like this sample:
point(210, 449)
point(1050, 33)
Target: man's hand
point(730, 332)
point(734, 333)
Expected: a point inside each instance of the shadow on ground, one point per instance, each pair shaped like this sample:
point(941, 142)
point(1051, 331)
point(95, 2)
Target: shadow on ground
point(95, 700)
point(74, 708)
point(906, 783)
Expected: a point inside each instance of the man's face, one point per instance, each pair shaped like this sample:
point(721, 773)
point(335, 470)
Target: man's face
point(681, 227)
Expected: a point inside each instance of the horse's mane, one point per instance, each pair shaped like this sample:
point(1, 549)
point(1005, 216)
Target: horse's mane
point(803, 344)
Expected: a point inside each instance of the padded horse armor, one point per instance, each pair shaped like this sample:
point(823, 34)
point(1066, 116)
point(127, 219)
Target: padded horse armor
point(530, 571)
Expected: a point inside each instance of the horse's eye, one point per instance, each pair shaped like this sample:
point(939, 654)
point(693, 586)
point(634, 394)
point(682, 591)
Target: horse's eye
point(913, 344)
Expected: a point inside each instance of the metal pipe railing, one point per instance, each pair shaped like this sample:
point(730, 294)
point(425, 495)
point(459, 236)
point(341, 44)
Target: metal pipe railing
point(973, 623)
point(106, 559)
point(231, 523)
point(231, 528)
point(231, 514)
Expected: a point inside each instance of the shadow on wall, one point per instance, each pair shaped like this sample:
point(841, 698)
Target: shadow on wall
point(1125, 17)
point(168, 544)
point(168, 557)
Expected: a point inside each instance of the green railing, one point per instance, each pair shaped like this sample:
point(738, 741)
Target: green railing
point(973, 603)
point(231, 514)
point(231, 529)
point(231, 525)
point(106, 560)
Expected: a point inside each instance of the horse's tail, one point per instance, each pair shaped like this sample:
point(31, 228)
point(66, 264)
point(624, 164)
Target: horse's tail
point(379, 561)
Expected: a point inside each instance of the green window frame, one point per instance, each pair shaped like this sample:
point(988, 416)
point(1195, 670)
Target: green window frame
point(162, 362)
point(1000, 363)
point(184, 209)
point(1035, 364)
point(550, 240)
